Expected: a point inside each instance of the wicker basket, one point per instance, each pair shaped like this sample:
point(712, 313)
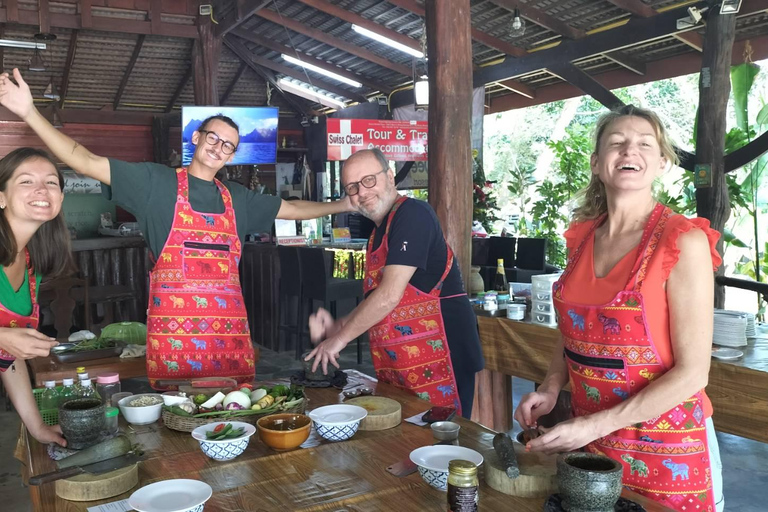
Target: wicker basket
point(188, 423)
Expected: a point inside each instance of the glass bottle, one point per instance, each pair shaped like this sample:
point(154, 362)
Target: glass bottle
point(87, 390)
point(107, 384)
point(462, 486)
point(68, 392)
point(500, 279)
point(50, 397)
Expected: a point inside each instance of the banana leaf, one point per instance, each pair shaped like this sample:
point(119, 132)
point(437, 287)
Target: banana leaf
point(742, 78)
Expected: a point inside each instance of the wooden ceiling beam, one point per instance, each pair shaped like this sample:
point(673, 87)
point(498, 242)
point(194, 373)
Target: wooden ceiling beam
point(586, 83)
point(239, 49)
point(636, 7)
point(542, 18)
point(155, 15)
point(692, 39)
point(86, 20)
point(356, 19)
point(68, 66)
point(179, 89)
point(44, 16)
point(233, 83)
point(336, 42)
point(128, 70)
point(12, 9)
point(626, 61)
point(278, 47)
point(244, 10)
point(103, 23)
point(479, 36)
point(298, 75)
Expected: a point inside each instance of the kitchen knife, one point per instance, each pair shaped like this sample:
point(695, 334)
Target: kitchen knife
point(505, 450)
point(96, 468)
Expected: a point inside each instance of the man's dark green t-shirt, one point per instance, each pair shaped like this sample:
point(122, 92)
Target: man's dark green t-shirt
point(148, 191)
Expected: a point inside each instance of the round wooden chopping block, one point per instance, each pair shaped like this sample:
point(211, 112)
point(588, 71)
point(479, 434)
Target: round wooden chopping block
point(383, 413)
point(538, 474)
point(87, 487)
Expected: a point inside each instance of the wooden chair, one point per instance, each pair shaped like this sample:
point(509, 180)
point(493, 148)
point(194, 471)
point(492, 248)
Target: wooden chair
point(62, 297)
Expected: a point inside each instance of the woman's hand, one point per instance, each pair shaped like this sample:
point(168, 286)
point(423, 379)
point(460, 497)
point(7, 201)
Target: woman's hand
point(326, 352)
point(25, 343)
point(533, 406)
point(323, 326)
point(16, 98)
point(566, 436)
point(48, 434)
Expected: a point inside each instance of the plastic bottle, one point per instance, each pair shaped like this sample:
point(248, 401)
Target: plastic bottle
point(87, 390)
point(81, 374)
point(68, 392)
point(50, 397)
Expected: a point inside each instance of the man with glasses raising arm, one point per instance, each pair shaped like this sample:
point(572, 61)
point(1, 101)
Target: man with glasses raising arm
point(422, 328)
point(194, 226)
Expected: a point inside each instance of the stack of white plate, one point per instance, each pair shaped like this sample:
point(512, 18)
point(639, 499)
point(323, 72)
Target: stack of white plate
point(730, 328)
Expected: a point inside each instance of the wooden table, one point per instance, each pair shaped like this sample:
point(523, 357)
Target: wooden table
point(321, 476)
point(738, 389)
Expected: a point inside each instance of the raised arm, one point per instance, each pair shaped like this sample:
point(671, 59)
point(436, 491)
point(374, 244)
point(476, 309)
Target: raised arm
point(18, 99)
point(305, 210)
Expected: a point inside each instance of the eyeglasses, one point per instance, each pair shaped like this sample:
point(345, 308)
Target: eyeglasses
point(352, 189)
point(213, 139)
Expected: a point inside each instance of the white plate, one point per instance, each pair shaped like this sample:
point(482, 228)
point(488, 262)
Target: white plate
point(338, 414)
point(726, 354)
point(438, 456)
point(170, 496)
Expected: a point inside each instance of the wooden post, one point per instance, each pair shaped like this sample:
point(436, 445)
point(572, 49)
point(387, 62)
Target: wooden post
point(712, 202)
point(450, 111)
point(205, 63)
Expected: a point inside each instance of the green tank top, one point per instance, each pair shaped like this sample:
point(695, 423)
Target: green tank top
point(19, 301)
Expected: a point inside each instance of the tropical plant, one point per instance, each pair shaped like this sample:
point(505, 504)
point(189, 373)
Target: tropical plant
point(484, 205)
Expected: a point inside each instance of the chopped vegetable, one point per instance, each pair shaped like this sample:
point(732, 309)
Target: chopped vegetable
point(213, 401)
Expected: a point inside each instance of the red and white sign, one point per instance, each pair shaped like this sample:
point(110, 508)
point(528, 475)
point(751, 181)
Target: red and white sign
point(401, 141)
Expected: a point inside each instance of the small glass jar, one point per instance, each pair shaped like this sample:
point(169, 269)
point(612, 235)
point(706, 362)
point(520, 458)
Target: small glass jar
point(111, 414)
point(462, 486)
point(107, 384)
point(490, 302)
point(503, 299)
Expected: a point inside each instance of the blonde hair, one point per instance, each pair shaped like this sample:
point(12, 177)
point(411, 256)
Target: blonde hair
point(591, 202)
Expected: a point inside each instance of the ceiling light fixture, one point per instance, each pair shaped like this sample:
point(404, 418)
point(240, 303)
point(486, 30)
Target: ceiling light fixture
point(518, 24)
point(36, 63)
point(730, 6)
point(325, 72)
point(29, 45)
point(694, 17)
point(303, 90)
point(51, 92)
point(387, 41)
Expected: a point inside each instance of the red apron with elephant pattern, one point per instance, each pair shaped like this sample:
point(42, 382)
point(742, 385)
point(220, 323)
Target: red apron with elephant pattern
point(611, 357)
point(10, 319)
point(409, 346)
point(197, 325)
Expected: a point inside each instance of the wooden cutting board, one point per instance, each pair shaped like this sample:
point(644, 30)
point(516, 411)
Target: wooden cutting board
point(538, 474)
point(87, 487)
point(383, 413)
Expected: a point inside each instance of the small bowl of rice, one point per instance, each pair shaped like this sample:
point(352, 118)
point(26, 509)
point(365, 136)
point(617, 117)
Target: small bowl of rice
point(141, 409)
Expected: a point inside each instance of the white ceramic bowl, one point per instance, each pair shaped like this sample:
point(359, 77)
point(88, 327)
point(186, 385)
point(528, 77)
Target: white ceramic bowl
point(171, 398)
point(143, 415)
point(180, 495)
point(433, 462)
point(337, 422)
point(225, 449)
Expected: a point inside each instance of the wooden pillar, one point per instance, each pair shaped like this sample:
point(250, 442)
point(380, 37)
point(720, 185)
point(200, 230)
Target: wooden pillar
point(450, 111)
point(205, 63)
point(712, 202)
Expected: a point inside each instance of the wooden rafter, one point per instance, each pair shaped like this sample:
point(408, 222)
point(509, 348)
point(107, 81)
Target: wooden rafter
point(692, 39)
point(356, 19)
point(518, 87)
point(44, 16)
point(542, 18)
point(246, 56)
point(179, 89)
point(244, 10)
point(298, 75)
point(128, 70)
point(233, 83)
point(275, 46)
point(12, 9)
point(477, 35)
point(626, 61)
point(68, 66)
point(636, 7)
point(86, 20)
point(155, 15)
point(336, 42)
point(586, 83)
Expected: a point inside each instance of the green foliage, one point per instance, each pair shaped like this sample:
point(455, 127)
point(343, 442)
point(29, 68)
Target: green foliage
point(483, 197)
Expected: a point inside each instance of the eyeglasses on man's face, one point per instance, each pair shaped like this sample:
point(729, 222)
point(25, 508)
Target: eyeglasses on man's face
point(213, 139)
point(352, 189)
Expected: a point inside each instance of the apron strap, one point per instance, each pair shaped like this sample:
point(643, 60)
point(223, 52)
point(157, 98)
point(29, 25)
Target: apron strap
point(390, 216)
point(648, 245)
point(576, 256)
point(31, 277)
point(448, 265)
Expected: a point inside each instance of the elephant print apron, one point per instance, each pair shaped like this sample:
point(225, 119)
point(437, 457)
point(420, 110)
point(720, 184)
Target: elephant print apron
point(10, 319)
point(409, 347)
point(196, 322)
point(611, 357)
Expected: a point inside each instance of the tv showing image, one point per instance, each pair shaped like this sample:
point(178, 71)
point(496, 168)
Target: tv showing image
point(258, 132)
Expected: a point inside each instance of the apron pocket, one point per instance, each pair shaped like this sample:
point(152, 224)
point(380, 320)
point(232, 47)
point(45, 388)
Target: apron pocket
point(206, 262)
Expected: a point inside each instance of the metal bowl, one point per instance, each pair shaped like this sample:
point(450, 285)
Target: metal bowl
point(445, 430)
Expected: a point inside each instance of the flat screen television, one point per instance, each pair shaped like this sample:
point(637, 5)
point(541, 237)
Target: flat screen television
point(258, 132)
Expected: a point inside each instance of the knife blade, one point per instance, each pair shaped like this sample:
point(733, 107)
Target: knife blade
point(505, 450)
point(96, 468)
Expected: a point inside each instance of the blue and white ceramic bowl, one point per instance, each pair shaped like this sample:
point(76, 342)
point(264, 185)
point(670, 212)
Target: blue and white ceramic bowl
point(337, 422)
point(225, 449)
point(433, 462)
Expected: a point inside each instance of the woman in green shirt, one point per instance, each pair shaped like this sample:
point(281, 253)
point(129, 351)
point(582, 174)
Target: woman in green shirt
point(34, 241)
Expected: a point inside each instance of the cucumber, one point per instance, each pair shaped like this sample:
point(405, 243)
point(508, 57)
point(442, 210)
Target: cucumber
point(109, 449)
